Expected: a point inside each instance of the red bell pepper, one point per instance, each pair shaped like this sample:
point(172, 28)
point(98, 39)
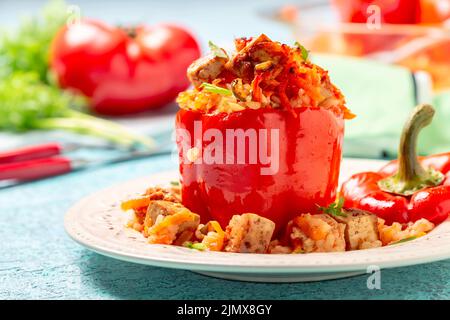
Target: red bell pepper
point(309, 148)
point(406, 189)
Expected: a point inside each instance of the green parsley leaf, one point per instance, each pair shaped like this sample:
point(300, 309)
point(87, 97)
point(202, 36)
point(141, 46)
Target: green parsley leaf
point(26, 49)
point(305, 52)
point(218, 52)
point(215, 89)
point(175, 183)
point(334, 209)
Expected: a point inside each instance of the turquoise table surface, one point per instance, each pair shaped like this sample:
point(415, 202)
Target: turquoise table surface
point(39, 261)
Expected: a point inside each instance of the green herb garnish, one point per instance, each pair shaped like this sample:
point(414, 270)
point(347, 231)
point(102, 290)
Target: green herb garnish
point(195, 246)
point(216, 50)
point(27, 48)
point(215, 89)
point(334, 209)
point(175, 183)
point(305, 52)
point(26, 104)
point(404, 240)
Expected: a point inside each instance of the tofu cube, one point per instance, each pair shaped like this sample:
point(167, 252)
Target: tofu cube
point(361, 231)
point(206, 69)
point(249, 233)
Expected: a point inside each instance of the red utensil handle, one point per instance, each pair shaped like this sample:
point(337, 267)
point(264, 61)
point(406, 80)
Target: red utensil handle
point(30, 153)
point(35, 169)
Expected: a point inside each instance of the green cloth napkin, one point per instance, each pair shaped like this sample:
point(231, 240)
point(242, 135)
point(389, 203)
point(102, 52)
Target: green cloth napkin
point(382, 97)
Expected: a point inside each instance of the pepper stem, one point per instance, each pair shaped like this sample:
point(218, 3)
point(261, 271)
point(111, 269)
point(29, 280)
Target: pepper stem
point(130, 31)
point(411, 176)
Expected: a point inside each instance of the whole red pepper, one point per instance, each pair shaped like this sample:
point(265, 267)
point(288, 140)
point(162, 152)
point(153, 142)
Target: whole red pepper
point(309, 151)
point(406, 189)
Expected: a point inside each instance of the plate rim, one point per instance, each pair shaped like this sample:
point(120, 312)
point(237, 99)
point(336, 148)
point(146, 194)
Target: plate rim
point(70, 223)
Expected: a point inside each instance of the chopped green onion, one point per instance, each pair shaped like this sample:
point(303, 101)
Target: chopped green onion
point(216, 50)
point(305, 52)
point(215, 89)
point(195, 246)
point(175, 183)
point(199, 246)
point(29, 104)
point(404, 240)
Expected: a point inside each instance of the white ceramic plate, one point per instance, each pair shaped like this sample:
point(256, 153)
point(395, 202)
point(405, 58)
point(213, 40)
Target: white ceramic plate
point(97, 223)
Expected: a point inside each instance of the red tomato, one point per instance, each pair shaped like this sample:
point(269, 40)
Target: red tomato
point(123, 72)
point(392, 11)
point(433, 11)
point(360, 11)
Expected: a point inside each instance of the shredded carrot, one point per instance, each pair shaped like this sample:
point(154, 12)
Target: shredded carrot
point(256, 90)
point(136, 203)
point(215, 239)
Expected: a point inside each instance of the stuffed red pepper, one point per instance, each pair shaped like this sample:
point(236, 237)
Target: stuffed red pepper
point(260, 132)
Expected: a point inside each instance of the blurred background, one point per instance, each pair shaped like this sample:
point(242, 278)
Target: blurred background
point(65, 68)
